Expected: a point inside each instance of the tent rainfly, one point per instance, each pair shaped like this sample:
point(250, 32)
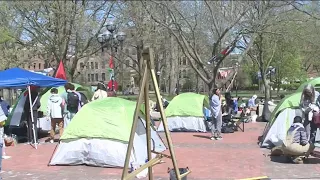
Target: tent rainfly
point(186, 113)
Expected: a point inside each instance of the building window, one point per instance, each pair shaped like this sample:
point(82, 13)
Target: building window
point(87, 65)
point(127, 63)
point(134, 64)
point(103, 65)
point(96, 65)
point(81, 65)
point(97, 77)
point(184, 61)
point(39, 65)
point(92, 67)
point(103, 76)
point(184, 74)
point(34, 66)
point(88, 77)
point(92, 77)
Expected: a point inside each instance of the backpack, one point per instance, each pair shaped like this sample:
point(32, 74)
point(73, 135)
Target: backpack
point(316, 119)
point(73, 102)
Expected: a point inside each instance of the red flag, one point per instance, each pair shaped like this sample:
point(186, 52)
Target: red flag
point(61, 74)
point(111, 66)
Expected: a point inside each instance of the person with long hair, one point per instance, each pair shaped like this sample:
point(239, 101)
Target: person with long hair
point(308, 106)
point(100, 93)
point(215, 106)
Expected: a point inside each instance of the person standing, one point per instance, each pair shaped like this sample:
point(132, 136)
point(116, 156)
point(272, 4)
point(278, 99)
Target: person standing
point(71, 103)
point(55, 113)
point(35, 102)
point(215, 106)
point(309, 107)
point(3, 118)
point(5, 106)
point(100, 92)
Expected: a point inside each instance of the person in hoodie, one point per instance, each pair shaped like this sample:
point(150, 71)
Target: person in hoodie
point(100, 93)
point(296, 145)
point(55, 113)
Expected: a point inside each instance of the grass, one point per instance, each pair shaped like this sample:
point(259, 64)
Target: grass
point(242, 94)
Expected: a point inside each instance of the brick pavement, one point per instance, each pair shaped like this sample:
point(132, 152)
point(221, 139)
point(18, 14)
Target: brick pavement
point(236, 156)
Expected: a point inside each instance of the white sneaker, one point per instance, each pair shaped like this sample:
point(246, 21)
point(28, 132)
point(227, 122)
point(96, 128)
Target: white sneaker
point(213, 138)
point(219, 138)
point(51, 141)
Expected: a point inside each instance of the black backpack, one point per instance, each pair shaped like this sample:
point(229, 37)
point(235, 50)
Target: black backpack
point(73, 102)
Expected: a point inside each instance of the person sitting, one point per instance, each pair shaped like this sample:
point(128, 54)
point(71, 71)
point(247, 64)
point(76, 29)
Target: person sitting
point(252, 103)
point(296, 146)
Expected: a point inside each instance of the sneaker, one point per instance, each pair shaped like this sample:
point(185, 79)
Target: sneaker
point(213, 138)
point(51, 141)
point(219, 138)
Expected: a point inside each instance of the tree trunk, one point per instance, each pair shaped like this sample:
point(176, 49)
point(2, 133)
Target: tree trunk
point(173, 75)
point(266, 88)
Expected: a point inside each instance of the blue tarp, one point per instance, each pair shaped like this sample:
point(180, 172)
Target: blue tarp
point(20, 78)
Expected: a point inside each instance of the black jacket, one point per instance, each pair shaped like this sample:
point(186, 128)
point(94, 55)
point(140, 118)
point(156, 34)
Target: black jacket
point(33, 98)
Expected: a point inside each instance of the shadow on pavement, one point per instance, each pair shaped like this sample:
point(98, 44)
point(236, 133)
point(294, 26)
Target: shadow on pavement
point(282, 159)
point(202, 136)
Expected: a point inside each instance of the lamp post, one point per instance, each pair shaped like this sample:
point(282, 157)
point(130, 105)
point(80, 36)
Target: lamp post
point(111, 39)
point(271, 69)
point(158, 78)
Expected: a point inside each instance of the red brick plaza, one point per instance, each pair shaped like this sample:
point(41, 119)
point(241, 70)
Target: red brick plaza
point(236, 156)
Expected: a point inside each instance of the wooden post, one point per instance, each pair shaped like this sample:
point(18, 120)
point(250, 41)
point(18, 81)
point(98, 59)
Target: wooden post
point(144, 92)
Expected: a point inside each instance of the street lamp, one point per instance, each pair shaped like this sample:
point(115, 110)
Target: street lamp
point(111, 38)
point(271, 70)
point(158, 76)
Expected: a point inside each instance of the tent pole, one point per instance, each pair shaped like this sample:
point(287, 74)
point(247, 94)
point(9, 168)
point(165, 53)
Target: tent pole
point(148, 124)
point(134, 126)
point(32, 120)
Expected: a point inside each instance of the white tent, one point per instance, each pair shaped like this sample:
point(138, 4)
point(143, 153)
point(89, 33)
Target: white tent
point(278, 131)
point(190, 123)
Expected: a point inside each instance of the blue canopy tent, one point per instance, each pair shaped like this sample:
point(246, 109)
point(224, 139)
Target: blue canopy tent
point(16, 78)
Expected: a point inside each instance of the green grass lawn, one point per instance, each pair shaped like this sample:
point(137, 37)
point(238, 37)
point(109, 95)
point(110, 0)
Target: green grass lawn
point(242, 94)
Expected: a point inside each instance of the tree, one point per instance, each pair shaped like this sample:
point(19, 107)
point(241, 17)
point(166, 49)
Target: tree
point(201, 29)
point(64, 30)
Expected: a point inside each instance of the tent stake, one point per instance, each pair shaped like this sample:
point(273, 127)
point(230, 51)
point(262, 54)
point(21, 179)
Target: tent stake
point(144, 92)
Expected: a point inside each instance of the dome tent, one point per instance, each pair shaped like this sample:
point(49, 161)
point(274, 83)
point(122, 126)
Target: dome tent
point(186, 113)
point(98, 135)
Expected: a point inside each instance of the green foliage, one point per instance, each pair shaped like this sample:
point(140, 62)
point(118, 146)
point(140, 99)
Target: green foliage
point(290, 87)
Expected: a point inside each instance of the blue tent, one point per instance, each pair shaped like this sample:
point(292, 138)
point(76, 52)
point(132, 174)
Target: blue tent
point(20, 78)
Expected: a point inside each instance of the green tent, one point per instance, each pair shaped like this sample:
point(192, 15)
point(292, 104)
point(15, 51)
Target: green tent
point(187, 104)
point(99, 133)
point(290, 101)
point(61, 90)
point(109, 118)
point(315, 82)
point(186, 113)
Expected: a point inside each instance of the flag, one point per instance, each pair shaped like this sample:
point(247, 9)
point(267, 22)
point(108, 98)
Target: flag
point(111, 66)
point(61, 74)
point(219, 56)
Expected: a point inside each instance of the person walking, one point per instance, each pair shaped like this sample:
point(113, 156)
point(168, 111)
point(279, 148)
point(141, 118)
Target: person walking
point(35, 101)
point(55, 113)
point(100, 93)
point(71, 103)
point(215, 106)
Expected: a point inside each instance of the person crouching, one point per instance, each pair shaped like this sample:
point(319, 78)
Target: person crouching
point(296, 146)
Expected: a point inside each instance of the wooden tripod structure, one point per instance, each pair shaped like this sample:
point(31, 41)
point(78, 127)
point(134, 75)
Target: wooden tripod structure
point(144, 94)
